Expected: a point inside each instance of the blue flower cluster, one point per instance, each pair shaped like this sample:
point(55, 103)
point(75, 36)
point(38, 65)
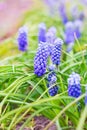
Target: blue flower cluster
point(73, 26)
point(23, 38)
point(49, 47)
point(72, 31)
point(40, 61)
point(62, 12)
point(51, 35)
point(78, 28)
point(50, 38)
point(69, 33)
point(56, 51)
point(74, 88)
point(42, 33)
point(76, 13)
point(53, 88)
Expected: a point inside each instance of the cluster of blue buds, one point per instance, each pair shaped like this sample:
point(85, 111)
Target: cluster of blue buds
point(51, 46)
point(72, 30)
point(40, 61)
point(56, 51)
point(74, 88)
point(53, 88)
point(22, 38)
point(42, 33)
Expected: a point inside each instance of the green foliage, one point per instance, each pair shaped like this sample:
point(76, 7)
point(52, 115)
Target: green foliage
point(23, 93)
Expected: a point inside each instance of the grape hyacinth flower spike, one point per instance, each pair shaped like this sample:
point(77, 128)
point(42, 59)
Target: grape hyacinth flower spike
point(69, 32)
point(51, 35)
point(51, 79)
point(69, 35)
point(22, 38)
point(56, 51)
point(74, 88)
point(42, 33)
point(78, 27)
point(62, 12)
point(40, 61)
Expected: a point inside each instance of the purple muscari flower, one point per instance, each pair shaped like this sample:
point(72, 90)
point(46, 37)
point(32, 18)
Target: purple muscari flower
point(78, 26)
point(56, 51)
point(62, 12)
point(86, 97)
point(53, 89)
point(77, 14)
point(42, 33)
point(52, 77)
point(22, 38)
point(69, 33)
point(40, 61)
point(74, 88)
point(51, 35)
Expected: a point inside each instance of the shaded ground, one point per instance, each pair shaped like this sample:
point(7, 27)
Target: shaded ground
point(40, 123)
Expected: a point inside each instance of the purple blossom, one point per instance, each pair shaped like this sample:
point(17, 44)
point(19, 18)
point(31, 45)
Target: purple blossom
point(51, 78)
point(53, 90)
point(74, 88)
point(69, 32)
point(22, 38)
point(42, 33)
point(40, 61)
point(62, 12)
point(78, 26)
point(77, 14)
point(51, 35)
point(56, 51)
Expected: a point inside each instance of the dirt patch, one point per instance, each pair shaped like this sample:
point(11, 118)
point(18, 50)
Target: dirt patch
point(40, 123)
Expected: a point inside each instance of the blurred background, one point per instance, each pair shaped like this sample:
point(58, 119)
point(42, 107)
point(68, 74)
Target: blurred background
point(15, 13)
point(12, 12)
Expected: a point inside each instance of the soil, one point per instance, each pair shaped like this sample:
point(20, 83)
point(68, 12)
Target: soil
point(40, 123)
